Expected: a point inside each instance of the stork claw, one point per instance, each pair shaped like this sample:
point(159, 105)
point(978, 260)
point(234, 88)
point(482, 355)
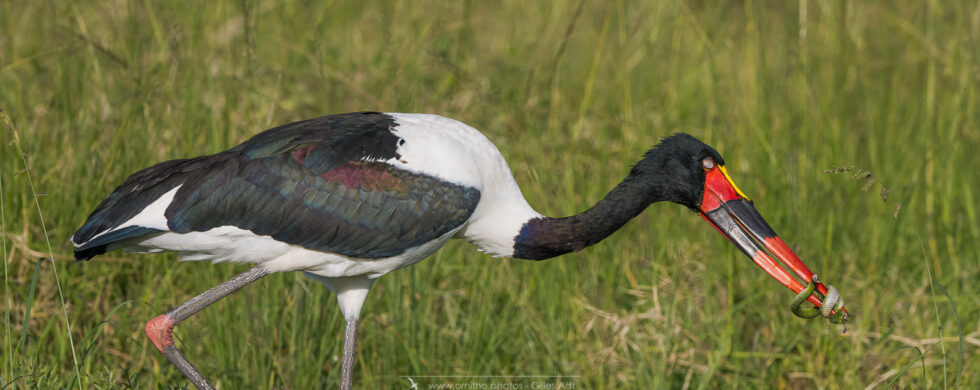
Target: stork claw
point(830, 308)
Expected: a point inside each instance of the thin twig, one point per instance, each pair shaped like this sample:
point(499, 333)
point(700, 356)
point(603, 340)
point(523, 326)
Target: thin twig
point(102, 49)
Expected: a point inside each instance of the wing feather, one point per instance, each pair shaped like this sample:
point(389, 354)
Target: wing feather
point(320, 184)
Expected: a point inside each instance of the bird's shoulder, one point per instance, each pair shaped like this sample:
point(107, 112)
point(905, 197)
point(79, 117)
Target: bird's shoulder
point(329, 141)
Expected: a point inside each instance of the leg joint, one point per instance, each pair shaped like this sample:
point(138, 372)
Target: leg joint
point(159, 330)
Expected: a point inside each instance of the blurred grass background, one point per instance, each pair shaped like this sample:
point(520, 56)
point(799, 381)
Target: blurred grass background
point(572, 92)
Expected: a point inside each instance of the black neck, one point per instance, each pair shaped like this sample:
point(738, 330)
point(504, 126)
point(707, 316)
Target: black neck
point(543, 238)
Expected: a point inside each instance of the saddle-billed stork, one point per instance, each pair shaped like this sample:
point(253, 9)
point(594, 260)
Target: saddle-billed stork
point(348, 198)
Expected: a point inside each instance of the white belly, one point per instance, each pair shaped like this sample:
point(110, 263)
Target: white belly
point(231, 244)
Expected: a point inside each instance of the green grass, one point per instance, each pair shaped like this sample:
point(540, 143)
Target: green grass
point(96, 90)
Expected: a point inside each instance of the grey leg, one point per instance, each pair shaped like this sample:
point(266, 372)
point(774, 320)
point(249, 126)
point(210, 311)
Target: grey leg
point(160, 329)
point(350, 341)
point(351, 292)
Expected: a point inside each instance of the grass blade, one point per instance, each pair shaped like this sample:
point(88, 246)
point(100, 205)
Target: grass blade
point(89, 341)
point(6, 277)
point(47, 240)
point(959, 331)
point(922, 359)
point(30, 304)
point(939, 320)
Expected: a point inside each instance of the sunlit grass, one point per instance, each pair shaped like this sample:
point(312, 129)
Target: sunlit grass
point(573, 93)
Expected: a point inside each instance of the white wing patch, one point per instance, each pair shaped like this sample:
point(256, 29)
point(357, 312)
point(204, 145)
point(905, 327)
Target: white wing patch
point(441, 147)
point(455, 152)
point(152, 216)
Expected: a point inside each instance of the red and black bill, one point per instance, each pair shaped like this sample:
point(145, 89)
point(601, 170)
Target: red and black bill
point(732, 213)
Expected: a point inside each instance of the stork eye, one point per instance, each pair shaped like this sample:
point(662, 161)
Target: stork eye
point(708, 163)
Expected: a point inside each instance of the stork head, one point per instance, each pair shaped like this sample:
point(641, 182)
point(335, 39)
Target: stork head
point(684, 170)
